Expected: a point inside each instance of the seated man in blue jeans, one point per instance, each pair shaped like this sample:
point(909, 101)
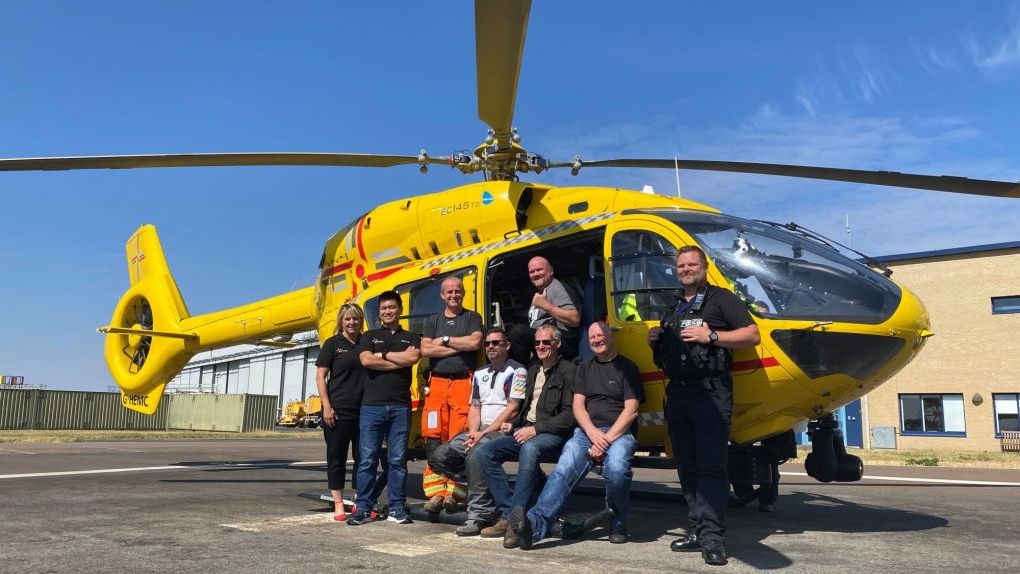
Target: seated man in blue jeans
point(387, 353)
point(607, 393)
point(544, 424)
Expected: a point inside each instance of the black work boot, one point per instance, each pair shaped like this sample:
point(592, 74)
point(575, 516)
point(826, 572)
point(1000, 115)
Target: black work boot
point(713, 553)
point(521, 526)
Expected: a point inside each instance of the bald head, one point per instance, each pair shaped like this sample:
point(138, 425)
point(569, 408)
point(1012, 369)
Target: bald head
point(540, 271)
point(452, 292)
point(600, 339)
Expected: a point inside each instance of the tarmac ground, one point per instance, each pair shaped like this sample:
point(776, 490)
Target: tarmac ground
point(234, 506)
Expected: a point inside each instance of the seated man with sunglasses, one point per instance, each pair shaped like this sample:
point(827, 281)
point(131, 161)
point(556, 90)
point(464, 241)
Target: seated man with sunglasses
point(544, 423)
point(497, 390)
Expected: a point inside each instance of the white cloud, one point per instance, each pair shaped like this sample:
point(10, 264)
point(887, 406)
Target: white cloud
point(1002, 52)
point(884, 220)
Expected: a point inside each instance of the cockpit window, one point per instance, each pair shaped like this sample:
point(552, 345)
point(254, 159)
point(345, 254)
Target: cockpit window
point(782, 275)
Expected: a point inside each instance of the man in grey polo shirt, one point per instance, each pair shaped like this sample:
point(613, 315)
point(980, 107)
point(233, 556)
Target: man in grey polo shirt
point(554, 303)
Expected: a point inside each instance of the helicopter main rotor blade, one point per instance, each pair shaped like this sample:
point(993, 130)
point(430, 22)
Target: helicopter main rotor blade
point(948, 183)
point(212, 159)
point(500, 26)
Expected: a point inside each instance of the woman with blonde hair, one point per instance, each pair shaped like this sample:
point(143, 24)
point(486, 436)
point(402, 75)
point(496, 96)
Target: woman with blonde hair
point(340, 379)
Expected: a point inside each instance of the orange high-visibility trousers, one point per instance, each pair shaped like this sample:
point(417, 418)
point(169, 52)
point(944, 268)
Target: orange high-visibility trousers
point(444, 417)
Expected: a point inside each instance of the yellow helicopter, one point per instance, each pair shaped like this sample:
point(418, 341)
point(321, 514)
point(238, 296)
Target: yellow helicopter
point(832, 328)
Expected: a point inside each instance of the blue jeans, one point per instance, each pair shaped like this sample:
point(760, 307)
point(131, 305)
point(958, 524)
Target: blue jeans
point(572, 467)
point(543, 447)
point(392, 422)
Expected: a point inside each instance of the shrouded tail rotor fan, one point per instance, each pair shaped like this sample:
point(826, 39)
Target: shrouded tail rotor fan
point(136, 347)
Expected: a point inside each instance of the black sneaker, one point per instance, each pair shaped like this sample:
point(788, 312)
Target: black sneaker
point(400, 516)
point(359, 518)
point(618, 535)
point(521, 526)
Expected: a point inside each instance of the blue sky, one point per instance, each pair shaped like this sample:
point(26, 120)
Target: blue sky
point(927, 87)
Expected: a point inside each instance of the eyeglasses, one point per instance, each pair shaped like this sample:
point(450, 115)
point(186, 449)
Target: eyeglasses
point(544, 342)
point(494, 343)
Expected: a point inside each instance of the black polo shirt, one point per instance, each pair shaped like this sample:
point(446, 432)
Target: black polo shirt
point(388, 387)
point(346, 382)
point(465, 323)
point(606, 386)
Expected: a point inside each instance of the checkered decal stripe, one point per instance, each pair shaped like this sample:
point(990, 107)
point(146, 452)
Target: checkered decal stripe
point(652, 419)
point(528, 236)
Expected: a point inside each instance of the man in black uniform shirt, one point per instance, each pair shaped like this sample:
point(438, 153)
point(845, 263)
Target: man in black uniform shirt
point(450, 339)
point(387, 353)
point(693, 347)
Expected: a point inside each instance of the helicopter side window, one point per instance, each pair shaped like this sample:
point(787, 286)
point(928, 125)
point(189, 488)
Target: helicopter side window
point(644, 275)
point(424, 299)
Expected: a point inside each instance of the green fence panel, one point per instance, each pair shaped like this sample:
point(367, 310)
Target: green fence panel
point(18, 408)
point(78, 410)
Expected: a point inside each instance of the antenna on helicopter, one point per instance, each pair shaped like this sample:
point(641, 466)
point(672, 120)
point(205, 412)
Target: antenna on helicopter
point(676, 170)
point(849, 245)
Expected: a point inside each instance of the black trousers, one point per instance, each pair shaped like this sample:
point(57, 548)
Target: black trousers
point(343, 436)
point(698, 414)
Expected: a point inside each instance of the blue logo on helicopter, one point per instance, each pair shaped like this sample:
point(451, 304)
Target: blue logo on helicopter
point(486, 198)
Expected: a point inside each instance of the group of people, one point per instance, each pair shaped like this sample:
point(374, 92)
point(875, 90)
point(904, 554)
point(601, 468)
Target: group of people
point(580, 416)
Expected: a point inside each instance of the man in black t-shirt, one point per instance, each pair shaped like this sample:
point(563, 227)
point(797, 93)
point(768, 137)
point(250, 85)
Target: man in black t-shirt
point(607, 393)
point(450, 340)
point(388, 355)
point(694, 348)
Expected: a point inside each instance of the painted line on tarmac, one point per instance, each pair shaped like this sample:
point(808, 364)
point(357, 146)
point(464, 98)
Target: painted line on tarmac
point(209, 466)
point(17, 451)
point(928, 480)
point(112, 448)
point(284, 522)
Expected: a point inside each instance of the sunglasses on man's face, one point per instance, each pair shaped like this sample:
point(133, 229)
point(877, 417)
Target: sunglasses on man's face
point(544, 342)
point(494, 343)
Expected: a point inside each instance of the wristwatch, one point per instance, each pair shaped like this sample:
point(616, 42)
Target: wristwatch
point(384, 355)
point(713, 337)
point(446, 340)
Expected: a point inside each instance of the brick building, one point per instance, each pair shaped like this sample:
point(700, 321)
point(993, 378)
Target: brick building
point(964, 387)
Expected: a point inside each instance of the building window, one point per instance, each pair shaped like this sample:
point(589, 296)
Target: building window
point(932, 415)
point(1004, 305)
point(1006, 409)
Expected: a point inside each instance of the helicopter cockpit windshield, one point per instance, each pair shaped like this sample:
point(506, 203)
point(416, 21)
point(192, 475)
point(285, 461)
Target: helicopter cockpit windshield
point(783, 275)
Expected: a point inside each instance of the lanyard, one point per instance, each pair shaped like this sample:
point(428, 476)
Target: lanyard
point(683, 305)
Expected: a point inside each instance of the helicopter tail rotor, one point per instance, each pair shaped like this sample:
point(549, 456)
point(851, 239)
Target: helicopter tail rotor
point(145, 344)
point(151, 336)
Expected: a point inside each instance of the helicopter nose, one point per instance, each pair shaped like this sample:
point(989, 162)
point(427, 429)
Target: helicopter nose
point(868, 353)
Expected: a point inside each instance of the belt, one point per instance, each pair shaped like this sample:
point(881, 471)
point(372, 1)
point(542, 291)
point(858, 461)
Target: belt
point(453, 376)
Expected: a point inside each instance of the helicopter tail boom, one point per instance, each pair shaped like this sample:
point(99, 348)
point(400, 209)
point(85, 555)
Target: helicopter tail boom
point(151, 335)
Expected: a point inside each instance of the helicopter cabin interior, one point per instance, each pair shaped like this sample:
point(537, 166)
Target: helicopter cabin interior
point(643, 283)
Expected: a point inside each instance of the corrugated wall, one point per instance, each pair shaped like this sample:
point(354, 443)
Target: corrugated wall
point(230, 413)
point(18, 408)
point(55, 410)
point(259, 412)
point(93, 411)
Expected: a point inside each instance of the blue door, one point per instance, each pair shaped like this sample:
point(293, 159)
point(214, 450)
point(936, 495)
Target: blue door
point(852, 424)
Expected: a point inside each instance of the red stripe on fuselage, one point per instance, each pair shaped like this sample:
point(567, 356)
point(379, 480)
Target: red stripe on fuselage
point(755, 364)
point(336, 269)
point(382, 274)
point(357, 239)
